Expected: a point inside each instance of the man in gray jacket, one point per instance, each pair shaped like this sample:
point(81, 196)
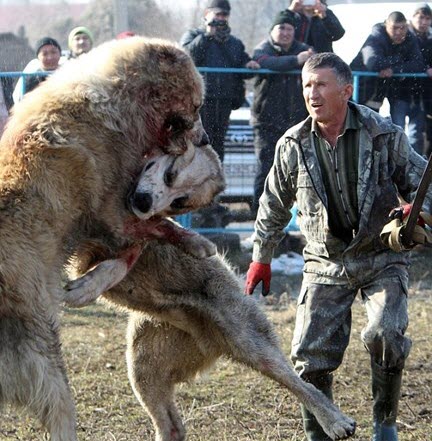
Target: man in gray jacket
point(345, 167)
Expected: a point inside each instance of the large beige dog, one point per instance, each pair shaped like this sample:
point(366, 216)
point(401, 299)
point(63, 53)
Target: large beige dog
point(185, 313)
point(68, 159)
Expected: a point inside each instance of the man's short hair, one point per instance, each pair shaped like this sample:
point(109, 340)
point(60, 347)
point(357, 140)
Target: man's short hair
point(332, 61)
point(396, 17)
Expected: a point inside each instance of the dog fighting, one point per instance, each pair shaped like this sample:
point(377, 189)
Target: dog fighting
point(121, 130)
point(98, 160)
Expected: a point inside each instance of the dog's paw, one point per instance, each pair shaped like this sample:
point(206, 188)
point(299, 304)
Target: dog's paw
point(340, 427)
point(198, 246)
point(80, 292)
point(344, 429)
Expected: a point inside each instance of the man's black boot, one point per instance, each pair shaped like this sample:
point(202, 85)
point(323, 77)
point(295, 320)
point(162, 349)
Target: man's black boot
point(386, 386)
point(312, 428)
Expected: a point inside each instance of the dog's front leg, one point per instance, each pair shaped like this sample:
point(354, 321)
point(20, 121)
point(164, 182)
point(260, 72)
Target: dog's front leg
point(168, 231)
point(86, 289)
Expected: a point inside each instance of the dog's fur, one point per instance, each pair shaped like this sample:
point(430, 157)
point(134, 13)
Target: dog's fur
point(68, 158)
point(185, 313)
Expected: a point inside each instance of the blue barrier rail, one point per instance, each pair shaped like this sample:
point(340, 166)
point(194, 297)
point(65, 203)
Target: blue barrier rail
point(186, 219)
point(356, 74)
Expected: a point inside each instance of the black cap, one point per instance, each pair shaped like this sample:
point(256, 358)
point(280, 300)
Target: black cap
point(46, 41)
point(423, 8)
point(220, 5)
point(285, 16)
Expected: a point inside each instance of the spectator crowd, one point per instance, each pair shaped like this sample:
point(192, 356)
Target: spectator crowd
point(395, 46)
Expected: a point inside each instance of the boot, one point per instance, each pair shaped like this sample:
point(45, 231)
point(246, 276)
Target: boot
point(386, 386)
point(312, 428)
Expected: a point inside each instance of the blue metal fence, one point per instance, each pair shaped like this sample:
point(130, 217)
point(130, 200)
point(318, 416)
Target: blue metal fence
point(186, 219)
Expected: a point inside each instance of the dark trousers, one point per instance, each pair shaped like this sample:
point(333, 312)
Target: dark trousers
point(428, 111)
point(265, 140)
point(399, 109)
point(215, 115)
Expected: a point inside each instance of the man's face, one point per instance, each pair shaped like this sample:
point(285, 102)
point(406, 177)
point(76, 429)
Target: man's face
point(81, 44)
point(283, 35)
point(49, 57)
point(326, 99)
point(421, 22)
point(396, 31)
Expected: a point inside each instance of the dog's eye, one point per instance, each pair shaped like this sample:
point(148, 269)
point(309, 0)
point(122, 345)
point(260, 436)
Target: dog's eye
point(169, 178)
point(149, 165)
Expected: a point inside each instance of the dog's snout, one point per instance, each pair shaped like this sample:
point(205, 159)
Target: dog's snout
point(141, 201)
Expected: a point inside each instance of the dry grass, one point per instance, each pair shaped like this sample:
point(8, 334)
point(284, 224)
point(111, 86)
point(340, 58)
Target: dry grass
point(233, 402)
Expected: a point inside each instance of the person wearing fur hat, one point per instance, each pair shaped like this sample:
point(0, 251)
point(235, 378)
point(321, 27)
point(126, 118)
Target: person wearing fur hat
point(213, 45)
point(80, 41)
point(48, 52)
point(278, 100)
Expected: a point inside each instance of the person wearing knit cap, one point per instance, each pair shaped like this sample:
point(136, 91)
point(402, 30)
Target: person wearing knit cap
point(80, 41)
point(213, 45)
point(278, 101)
point(48, 53)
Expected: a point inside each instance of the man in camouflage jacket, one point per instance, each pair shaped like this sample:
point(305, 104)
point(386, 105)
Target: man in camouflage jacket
point(344, 184)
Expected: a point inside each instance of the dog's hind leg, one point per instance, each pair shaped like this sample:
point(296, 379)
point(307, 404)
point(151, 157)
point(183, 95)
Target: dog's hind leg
point(159, 356)
point(32, 373)
point(255, 344)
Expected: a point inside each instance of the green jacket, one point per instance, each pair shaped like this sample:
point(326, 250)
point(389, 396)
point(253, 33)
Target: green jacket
point(387, 166)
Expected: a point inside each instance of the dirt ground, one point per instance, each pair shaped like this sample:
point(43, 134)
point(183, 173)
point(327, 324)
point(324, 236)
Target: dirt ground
point(232, 402)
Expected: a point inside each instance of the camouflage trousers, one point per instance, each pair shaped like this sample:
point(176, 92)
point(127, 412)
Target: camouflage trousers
point(323, 323)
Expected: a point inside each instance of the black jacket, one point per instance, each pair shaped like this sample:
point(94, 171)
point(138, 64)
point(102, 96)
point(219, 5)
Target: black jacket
point(379, 53)
point(319, 32)
point(208, 52)
point(278, 100)
point(425, 44)
point(8, 87)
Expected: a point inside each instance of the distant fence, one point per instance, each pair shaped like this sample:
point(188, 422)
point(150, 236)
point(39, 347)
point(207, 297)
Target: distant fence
point(186, 219)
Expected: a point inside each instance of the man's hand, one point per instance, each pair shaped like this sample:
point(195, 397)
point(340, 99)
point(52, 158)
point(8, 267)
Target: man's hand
point(252, 64)
point(403, 212)
point(320, 10)
point(296, 6)
point(302, 57)
point(258, 272)
point(385, 73)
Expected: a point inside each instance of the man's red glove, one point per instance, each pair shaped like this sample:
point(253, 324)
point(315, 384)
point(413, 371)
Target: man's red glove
point(258, 272)
point(403, 212)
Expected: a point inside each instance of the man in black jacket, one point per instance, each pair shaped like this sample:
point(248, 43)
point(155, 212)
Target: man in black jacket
point(388, 50)
point(316, 25)
point(420, 26)
point(278, 100)
point(214, 46)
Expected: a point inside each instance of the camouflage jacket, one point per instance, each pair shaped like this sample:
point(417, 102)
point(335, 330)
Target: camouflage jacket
point(387, 166)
